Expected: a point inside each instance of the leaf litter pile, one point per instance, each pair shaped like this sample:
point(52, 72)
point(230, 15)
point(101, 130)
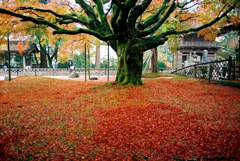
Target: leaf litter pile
point(50, 119)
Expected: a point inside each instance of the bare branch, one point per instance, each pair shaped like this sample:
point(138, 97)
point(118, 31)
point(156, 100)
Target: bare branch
point(110, 8)
point(189, 18)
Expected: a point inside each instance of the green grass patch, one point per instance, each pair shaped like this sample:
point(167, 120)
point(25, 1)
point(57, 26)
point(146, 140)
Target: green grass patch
point(159, 75)
point(156, 75)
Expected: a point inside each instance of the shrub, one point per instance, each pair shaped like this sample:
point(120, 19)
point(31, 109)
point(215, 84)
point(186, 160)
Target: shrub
point(73, 74)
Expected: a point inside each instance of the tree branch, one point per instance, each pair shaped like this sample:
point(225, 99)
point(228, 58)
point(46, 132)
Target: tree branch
point(186, 19)
point(40, 10)
point(156, 40)
point(80, 18)
point(102, 15)
point(86, 31)
point(110, 8)
point(115, 15)
point(177, 32)
point(154, 18)
point(159, 23)
point(87, 9)
point(118, 3)
point(151, 42)
point(137, 11)
point(58, 30)
point(28, 18)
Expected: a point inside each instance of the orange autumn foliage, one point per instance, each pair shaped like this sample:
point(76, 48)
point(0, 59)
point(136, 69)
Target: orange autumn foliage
point(20, 47)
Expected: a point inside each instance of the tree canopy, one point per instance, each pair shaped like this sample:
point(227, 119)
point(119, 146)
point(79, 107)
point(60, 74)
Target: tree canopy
point(129, 26)
point(229, 45)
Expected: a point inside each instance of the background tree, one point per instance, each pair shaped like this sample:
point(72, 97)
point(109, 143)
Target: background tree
point(11, 26)
point(74, 45)
point(97, 59)
point(154, 60)
point(229, 45)
point(129, 26)
point(48, 48)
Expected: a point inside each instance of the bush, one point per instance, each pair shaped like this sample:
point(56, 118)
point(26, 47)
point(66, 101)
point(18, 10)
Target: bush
point(63, 65)
point(73, 74)
point(161, 64)
point(231, 83)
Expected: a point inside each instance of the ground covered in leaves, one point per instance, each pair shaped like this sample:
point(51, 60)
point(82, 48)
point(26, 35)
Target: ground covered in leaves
point(165, 119)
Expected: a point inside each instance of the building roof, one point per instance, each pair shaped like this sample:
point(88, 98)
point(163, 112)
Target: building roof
point(32, 48)
point(195, 42)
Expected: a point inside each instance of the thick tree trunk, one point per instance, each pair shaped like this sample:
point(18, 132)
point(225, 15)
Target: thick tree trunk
point(43, 58)
point(56, 57)
point(154, 61)
point(130, 64)
point(50, 61)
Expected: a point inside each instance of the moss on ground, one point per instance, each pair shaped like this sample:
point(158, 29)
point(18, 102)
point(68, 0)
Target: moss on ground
point(156, 75)
point(231, 83)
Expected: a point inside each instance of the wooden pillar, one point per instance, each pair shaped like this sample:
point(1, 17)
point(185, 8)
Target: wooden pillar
point(108, 53)
point(179, 60)
point(9, 55)
point(230, 65)
point(85, 59)
point(24, 62)
point(30, 55)
point(176, 61)
point(97, 58)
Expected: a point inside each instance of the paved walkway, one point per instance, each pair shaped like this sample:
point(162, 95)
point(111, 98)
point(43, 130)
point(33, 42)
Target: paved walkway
point(4, 78)
point(81, 78)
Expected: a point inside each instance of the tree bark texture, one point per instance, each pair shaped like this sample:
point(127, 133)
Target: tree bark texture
point(154, 61)
point(97, 60)
point(130, 64)
point(43, 58)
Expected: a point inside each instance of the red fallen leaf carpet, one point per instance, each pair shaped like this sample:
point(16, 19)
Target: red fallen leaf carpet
point(164, 119)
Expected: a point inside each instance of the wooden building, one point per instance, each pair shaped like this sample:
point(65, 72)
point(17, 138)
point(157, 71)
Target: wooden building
point(28, 52)
point(194, 49)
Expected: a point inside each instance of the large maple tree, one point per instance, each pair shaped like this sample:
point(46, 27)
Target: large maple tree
point(130, 27)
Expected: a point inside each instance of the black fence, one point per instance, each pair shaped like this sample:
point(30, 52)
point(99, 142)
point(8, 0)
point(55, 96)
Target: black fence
point(213, 71)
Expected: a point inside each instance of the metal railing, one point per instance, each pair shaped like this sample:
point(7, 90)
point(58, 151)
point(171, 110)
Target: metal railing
point(213, 71)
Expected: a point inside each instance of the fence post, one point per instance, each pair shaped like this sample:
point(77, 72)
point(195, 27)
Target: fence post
point(210, 73)
point(233, 71)
point(85, 59)
point(195, 70)
point(229, 67)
